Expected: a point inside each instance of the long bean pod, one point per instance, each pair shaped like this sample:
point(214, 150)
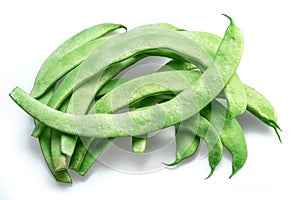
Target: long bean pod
point(66, 48)
point(225, 61)
point(86, 103)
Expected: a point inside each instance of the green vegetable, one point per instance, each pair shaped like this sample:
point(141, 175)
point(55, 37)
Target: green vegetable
point(58, 157)
point(74, 48)
point(84, 125)
point(45, 144)
point(78, 107)
point(260, 107)
point(231, 133)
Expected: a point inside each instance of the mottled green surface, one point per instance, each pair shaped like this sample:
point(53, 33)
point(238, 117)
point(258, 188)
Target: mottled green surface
point(69, 54)
point(179, 94)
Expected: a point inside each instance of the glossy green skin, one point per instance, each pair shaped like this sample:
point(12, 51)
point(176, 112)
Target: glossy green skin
point(208, 87)
point(78, 44)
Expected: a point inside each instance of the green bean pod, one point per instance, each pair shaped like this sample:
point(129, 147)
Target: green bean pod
point(79, 115)
point(260, 107)
point(187, 143)
point(114, 125)
point(231, 133)
point(234, 90)
point(67, 47)
point(209, 134)
point(58, 157)
point(84, 96)
point(45, 144)
point(82, 104)
point(96, 148)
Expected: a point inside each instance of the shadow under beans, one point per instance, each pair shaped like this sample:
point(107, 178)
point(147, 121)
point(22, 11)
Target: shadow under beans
point(251, 125)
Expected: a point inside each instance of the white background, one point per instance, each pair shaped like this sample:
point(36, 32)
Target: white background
point(30, 30)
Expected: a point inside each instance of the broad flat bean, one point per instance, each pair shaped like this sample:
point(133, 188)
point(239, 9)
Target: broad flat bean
point(234, 90)
point(231, 133)
point(113, 125)
point(68, 46)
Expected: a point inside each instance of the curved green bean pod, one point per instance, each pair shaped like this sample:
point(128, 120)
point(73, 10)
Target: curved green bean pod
point(146, 120)
point(260, 107)
point(67, 47)
point(209, 134)
point(234, 90)
point(187, 143)
point(135, 42)
point(231, 133)
point(58, 157)
point(45, 144)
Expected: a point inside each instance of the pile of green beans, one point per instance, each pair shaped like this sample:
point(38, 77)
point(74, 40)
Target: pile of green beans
point(76, 99)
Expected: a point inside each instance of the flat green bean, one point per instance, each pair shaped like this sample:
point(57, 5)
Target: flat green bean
point(58, 157)
point(231, 133)
point(96, 148)
point(234, 90)
point(65, 58)
point(136, 90)
point(87, 104)
point(205, 130)
point(68, 46)
point(45, 144)
point(97, 145)
point(257, 104)
point(260, 107)
point(61, 97)
point(138, 41)
point(186, 145)
point(146, 120)
point(87, 95)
